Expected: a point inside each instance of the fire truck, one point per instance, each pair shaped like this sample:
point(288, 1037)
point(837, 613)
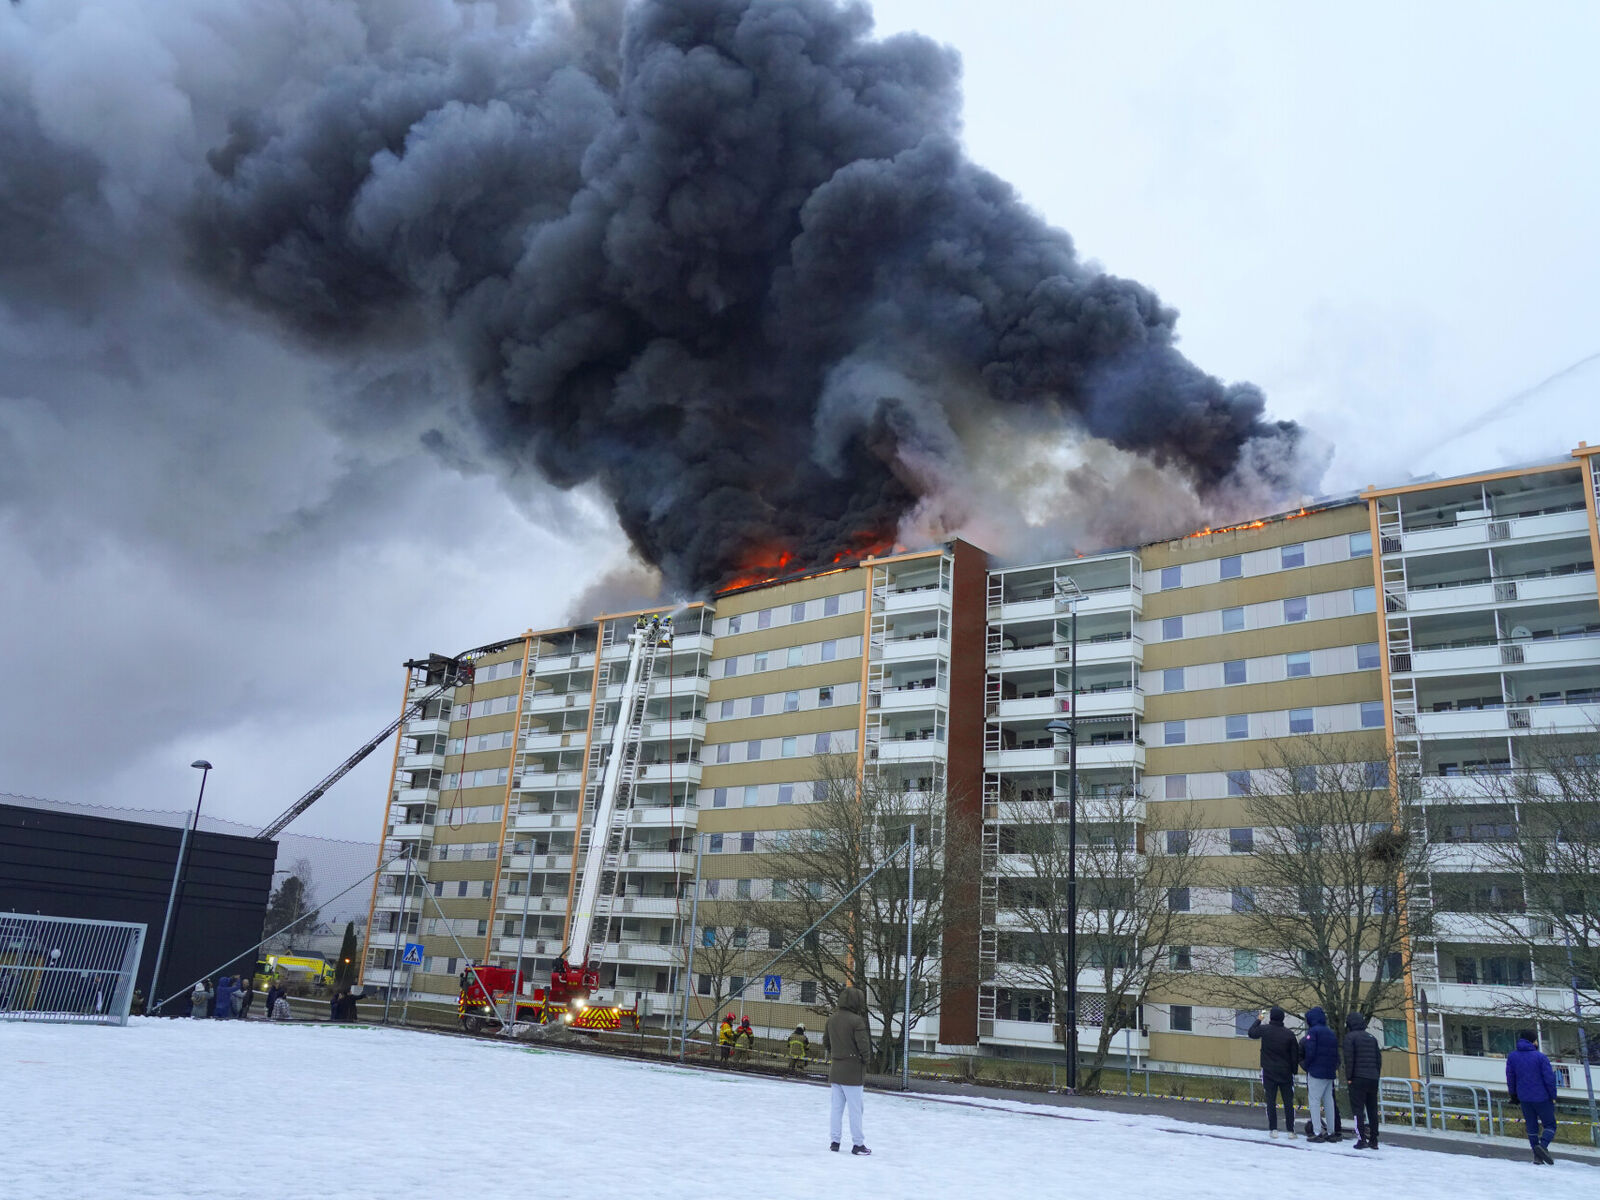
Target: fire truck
point(487, 991)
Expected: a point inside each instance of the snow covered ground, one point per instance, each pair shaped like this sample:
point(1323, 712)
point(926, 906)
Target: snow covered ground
point(165, 1109)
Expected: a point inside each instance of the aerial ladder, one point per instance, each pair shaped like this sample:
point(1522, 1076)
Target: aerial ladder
point(598, 885)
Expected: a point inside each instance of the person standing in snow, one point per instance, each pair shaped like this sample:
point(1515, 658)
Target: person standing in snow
point(247, 995)
point(1363, 1066)
point(200, 1001)
point(744, 1041)
point(223, 1002)
point(1321, 1046)
point(280, 1010)
point(1531, 1081)
point(725, 1037)
point(847, 1042)
point(799, 1048)
point(1280, 1059)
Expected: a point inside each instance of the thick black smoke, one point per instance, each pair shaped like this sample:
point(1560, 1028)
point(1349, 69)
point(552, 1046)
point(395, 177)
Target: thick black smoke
point(724, 257)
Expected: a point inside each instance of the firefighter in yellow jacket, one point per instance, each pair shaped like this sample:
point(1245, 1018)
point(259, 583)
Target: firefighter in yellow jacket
point(799, 1048)
point(725, 1037)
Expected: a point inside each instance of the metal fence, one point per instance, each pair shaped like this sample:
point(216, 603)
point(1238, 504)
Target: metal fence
point(67, 970)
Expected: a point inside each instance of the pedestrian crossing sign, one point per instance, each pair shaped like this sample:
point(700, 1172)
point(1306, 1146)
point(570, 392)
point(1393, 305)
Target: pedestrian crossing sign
point(773, 986)
point(413, 955)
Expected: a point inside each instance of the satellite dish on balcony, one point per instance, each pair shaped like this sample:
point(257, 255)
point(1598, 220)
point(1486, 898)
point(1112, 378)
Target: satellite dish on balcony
point(1521, 633)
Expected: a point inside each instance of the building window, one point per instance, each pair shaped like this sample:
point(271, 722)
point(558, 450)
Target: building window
point(1365, 599)
point(796, 657)
point(1180, 958)
point(1293, 556)
point(830, 651)
point(747, 841)
point(1171, 577)
point(1367, 656)
point(786, 793)
point(1171, 628)
point(1298, 664)
point(724, 752)
point(752, 750)
point(1303, 779)
point(713, 886)
point(1233, 566)
point(1376, 775)
point(824, 697)
point(1361, 545)
point(1372, 714)
point(1394, 1035)
point(1235, 671)
point(726, 711)
point(1238, 783)
point(790, 746)
point(791, 701)
point(719, 797)
point(797, 612)
point(702, 984)
point(734, 623)
point(742, 889)
point(1177, 787)
point(1174, 734)
point(1178, 899)
point(1232, 620)
point(780, 891)
point(760, 663)
point(1294, 609)
point(1177, 841)
point(730, 666)
point(764, 619)
point(461, 888)
point(1241, 841)
point(752, 795)
point(758, 705)
point(1300, 720)
point(1246, 962)
point(808, 992)
point(830, 606)
point(1237, 726)
point(1180, 1018)
point(1242, 899)
point(483, 928)
point(1172, 679)
point(824, 743)
point(1243, 1019)
point(714, 843)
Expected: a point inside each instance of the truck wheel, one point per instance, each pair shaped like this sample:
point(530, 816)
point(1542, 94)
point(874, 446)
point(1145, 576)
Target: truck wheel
point(472, 1024)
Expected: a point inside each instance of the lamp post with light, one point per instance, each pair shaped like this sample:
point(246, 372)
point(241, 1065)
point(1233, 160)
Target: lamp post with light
point(204, 768)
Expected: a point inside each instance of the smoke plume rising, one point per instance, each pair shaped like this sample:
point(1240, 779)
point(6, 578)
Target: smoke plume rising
point(724, 259)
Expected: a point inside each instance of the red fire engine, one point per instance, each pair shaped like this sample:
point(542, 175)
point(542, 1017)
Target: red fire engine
point(565, 1001)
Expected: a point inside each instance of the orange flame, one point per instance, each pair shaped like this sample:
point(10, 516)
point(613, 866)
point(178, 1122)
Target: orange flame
point(770, 564)
point(1261, 524)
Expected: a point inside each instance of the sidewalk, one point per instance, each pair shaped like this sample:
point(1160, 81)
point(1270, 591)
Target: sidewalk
point(1230, 1117)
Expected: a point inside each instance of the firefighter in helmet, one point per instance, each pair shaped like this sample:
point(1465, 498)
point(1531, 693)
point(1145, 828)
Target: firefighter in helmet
point(726, 1036)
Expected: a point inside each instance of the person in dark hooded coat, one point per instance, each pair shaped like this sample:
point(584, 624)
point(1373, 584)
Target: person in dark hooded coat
point(1363, 1067)
point(222, 1006)
point(847, 1041)
point(1280, 1059)
point(1321, 1048)
point(1531, 1082)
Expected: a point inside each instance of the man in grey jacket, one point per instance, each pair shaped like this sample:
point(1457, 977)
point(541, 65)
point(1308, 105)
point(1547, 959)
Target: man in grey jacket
point(848, 1044)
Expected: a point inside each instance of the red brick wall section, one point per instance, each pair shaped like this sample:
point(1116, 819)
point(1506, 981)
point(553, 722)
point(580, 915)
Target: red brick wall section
point(958, 1004)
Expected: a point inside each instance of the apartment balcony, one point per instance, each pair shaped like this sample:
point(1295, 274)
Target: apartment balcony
point(658, 860)
point(911, 649)
point(1466, 856)
point(422, 762)
point(676, 730)
point(665, 772)
point(901, 750)
point(1490, 1070)
point(1020, 659)
point(1036, 757)
point(1490, 999)
point(544, 743)
point(528, 947)
point(526, 905)
point(520, 863)
point(1109, 703)
point(677, 817)
point(411, 831)
point(421, 728)
point(379, 977)
point(912, 699)
point(544, 702)
point(1488, 930)
point(1480, 531)
point(1578, 585)
point(543, 822)
point(554, 664)
point(649, 906)
point(640, 952)
point(681, 685)
point(1572, 651)
point(394, 903)
point(689, 643)
point(416, 795)
point(912, 600)
point(547, 781)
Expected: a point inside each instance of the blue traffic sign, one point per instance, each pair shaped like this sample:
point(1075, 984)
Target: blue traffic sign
point(772, 986)
point(413, 955)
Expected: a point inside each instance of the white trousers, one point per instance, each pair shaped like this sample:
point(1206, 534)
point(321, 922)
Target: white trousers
point(844, 1094)
point(1320, 1099)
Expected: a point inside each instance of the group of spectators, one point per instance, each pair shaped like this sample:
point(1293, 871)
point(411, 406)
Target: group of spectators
point(234, 995)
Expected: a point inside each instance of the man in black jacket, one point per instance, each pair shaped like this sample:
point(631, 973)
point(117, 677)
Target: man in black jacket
point(1280, 1059)
point(1363, 1065)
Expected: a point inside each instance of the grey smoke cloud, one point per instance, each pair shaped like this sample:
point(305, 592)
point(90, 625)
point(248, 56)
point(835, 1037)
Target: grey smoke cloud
point(724, 260)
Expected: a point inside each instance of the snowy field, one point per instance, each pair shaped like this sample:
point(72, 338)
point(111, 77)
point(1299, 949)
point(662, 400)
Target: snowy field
point(218, 1110)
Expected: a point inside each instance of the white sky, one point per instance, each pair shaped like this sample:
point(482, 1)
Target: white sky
point(1384, 215)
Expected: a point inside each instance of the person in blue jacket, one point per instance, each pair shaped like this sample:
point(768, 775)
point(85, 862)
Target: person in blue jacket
point(1531, 1080)
point(222, 1008)
point(1322, 1068)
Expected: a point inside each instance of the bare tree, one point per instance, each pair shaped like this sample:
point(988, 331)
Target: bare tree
point(1322, 913)
point(1126, 924)
point(856, 826)
point(1540, 838)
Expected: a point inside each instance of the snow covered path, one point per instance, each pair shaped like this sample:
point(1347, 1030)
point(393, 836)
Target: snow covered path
point(219, 1110)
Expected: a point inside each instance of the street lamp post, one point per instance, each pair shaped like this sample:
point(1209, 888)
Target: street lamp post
point(204, 768)
point(1068, 589)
